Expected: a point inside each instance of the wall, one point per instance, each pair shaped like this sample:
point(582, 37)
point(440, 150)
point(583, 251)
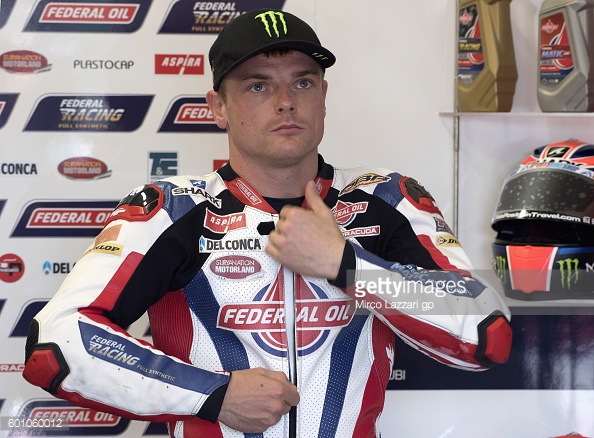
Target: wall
point(395, 73)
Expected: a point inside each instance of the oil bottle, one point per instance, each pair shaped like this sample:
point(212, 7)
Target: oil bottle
point(566, 56)
point(487, 72)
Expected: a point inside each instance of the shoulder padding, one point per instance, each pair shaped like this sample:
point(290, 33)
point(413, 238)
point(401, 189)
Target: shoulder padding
point(140, 205)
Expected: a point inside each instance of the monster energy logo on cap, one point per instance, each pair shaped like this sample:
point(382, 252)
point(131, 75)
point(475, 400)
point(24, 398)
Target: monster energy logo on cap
point(259, 31)
point(264, 16)
point(569, 271)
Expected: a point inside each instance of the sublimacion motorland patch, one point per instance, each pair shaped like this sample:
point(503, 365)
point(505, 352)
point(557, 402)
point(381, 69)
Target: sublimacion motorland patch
point(24, 61)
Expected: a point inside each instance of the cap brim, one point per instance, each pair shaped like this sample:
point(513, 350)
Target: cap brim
point(318, 53)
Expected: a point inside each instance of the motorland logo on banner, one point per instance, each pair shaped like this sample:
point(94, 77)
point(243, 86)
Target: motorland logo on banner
point(7, 101)
point(84, 168)
point(191, 16)
point(5, 10)
point(189, 114)
point(63, 218)
point(75, 421)
point(90, 113)
point(24, 61)
point(87, 16)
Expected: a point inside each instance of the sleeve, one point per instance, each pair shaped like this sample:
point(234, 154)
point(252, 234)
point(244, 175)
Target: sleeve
point(424, 290)
point(78, 348)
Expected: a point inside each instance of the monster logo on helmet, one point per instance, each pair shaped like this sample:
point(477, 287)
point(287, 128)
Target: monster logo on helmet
point(544, 220)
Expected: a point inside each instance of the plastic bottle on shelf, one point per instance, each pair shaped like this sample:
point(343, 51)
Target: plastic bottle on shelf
point(487, 72)
point(566, 56)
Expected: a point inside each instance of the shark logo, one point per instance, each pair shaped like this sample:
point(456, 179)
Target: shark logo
point(557, 152)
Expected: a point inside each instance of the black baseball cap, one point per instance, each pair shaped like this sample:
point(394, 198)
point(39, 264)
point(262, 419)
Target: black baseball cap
point(261, 30)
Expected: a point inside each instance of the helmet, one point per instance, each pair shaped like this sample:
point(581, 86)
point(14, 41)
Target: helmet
point(544, 221)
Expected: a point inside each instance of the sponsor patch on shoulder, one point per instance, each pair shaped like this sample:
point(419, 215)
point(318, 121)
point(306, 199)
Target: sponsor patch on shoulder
point(418, 195)
point(446, 241)
point(364, 180)
point(141, 204)
point(441, 226)
point(112, 248)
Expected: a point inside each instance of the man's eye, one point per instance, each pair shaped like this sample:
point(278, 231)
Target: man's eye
point(304, 83)
point(257, 87)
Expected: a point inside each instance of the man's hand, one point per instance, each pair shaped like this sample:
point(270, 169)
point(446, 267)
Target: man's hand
point(256, 399)
point(308, 242)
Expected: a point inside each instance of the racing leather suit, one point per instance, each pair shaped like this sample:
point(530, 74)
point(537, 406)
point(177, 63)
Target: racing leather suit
point(190, 250)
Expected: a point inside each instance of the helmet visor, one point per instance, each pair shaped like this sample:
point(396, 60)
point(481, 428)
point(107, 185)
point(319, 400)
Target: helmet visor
point(546, 194)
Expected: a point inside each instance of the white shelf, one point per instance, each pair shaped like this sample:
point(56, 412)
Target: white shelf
point(512, 114)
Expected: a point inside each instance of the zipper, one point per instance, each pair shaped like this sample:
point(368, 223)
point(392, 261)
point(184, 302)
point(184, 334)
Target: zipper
point(291, 331)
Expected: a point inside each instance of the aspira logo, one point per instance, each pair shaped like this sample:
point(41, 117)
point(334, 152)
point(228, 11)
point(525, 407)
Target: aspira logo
point(316, 315)
point(170, 64)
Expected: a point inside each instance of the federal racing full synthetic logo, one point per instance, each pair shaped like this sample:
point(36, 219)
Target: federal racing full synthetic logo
point(90, 113)
point(316, 314)
point(191, 16)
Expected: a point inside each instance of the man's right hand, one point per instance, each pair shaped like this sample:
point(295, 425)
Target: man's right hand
point(256, 399)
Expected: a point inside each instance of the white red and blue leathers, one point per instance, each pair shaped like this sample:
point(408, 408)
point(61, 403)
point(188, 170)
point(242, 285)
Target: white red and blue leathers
point(190, 250)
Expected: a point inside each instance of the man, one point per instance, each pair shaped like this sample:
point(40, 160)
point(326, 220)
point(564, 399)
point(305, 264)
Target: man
point(257, 277)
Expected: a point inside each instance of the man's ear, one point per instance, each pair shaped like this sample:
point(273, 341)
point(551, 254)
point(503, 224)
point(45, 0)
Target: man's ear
point(325, 90)
point(216, 105)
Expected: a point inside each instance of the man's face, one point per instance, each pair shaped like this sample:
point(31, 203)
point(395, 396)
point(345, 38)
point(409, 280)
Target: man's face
point(274, 109)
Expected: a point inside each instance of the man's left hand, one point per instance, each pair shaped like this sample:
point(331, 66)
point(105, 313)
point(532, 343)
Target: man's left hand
point(308, 241)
